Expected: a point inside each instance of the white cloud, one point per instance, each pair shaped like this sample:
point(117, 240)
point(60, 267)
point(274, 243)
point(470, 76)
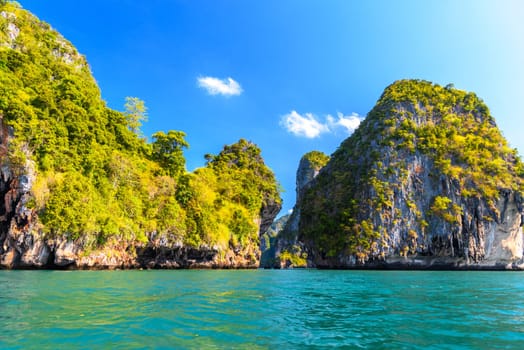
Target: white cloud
point(308, 125)
point(348, 122)
point(303, 125)
point(215, 86)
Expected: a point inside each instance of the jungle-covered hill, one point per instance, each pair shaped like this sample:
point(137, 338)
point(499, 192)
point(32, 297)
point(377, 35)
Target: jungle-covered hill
point(81, 186)
point(427, 180)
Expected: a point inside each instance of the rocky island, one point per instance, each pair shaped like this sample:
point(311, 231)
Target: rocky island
point(81, 188)
point(427, 181)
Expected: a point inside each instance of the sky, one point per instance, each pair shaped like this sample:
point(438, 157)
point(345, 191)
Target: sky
point(291, 76)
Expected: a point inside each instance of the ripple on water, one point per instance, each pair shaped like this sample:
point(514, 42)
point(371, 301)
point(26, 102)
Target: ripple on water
point(261, 309)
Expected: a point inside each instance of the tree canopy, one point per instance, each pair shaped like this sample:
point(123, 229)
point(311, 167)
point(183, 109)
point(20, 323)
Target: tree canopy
point(98, 179)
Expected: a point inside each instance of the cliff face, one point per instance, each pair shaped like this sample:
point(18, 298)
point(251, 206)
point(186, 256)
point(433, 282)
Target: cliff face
point(288, 249)
point(18, 246)
point(81, 188)
point(269, 242)
point(427, 181)
point(24, 245)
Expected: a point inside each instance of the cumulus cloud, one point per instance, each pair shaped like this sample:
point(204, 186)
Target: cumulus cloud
point(215, 86)
point(348, 122)
point(309, 126)
point(303, 125)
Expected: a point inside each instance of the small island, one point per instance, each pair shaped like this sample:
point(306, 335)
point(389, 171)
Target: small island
point(426, 182)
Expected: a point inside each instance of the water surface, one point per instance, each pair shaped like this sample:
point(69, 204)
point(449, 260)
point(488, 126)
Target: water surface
point(265, 309)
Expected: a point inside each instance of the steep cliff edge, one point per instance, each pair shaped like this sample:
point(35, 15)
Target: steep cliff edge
point(269, 242)
point(288, 251)
point(427, 181)
point(81, 188)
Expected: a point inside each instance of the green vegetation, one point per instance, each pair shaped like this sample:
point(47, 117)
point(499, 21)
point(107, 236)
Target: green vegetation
point(293, 258)
point(456, 129)
point(222, 199)
point(445, 208)
point(317, 159)
point(350, 209)
point(97, 178)
point(167, 150)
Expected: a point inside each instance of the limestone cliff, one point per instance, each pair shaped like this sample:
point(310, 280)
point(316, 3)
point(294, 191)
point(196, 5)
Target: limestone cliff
point(427, 181)
point(269, 242)
point(24, 245)
point(288, 250)
point(80, 187)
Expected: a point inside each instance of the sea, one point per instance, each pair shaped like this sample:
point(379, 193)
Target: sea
point(261, 309)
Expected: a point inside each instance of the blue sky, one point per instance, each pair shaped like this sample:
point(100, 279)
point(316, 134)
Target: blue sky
point(290, 75)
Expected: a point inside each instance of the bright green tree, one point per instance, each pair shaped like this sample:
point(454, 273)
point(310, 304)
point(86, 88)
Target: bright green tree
point(168, 151)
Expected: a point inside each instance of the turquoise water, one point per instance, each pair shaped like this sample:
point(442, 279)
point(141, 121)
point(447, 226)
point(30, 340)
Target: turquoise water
point(265, 309)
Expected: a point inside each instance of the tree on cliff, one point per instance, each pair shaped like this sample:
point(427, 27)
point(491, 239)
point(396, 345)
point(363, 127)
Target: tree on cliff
point(135, 113)
point(168, 151)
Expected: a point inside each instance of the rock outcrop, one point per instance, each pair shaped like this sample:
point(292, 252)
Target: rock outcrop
point(427, 181)
point(288, 250)
point(17, 246)
point(23, 245)
point(269, 242)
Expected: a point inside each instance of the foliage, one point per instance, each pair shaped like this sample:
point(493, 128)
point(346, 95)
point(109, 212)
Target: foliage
point(445, 208)
point(349, 208)
point(244, 178)
point(317, 159)
point(135, 113)
point(168, 151)
point(457, 130)
point(222, 199)
point(292, 259)
point(97, 178)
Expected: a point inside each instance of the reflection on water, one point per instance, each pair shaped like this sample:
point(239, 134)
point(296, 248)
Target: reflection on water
point(261, 309)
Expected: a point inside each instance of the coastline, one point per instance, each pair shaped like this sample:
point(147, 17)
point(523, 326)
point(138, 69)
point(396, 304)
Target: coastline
point(390, 264)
